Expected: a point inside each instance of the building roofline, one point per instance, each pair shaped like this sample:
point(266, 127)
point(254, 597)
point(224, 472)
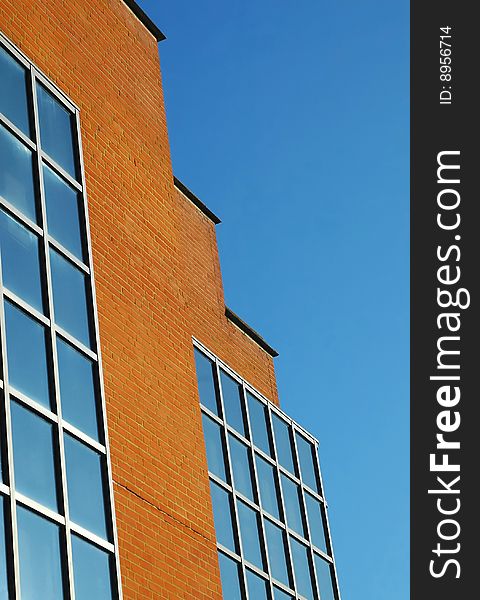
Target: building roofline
point(198, 203)
point(145, 19)
point(255, 336)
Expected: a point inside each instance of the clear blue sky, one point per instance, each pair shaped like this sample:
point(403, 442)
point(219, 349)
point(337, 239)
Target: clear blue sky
point(290, 121)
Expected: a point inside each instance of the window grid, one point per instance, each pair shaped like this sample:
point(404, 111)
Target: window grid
point(289, 533)
point(53, 332)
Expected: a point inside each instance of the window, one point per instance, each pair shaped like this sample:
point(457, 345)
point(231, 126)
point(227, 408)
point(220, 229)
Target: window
point(270, 518)
point(63, 536)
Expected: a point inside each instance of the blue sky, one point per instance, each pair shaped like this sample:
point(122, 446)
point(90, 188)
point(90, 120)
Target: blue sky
point(290, 121)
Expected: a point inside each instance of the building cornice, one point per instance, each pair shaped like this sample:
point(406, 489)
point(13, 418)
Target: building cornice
point(195, 200)
point(145, 19)
point(255, 336)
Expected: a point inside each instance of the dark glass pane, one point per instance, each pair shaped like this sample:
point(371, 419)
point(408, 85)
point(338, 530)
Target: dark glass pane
point(85, 483)
point(258, 422)
point(222, 514)
point(250, 534)
point(301, 567)
point(292, 500)
point(268, 489)
point(324, 578)
point(26, 355)
point(63, 212)
point(257, 587)
point(40, 559)
point(56, 131)
point(20, 261)
point(241, 466)
point(92, 571)
point(77, 389)
point(33, 455)
point(4, 595)
point(277, 555)
point(215, 447)
point(13, 92)
point(307, 466)
point(232, 402)
point(206, 381)
point(16, 174)
point(281, 595)
point(70, 298)
point(315, 522)
point(230, 576)
point(283, 443)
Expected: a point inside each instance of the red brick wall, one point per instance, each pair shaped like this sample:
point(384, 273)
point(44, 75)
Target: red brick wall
point(158, 283)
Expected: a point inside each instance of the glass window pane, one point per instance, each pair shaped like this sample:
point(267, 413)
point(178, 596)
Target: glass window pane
point(20, 261)
point(315, 522)
point(277, 555)
point(258, 422)
point(215, 447)
point(13, 91)
point(230, 576)
point(324, 578)
point(27, 355)
point(16, 174)
point(63, 212)
point(301, 567)
point(33, 455)
point(307, 466)
point(281, 595)
point(222, 514)
point(232, 402)
point(257, 587)
point(70, 298)
point(92, 569)
point(241, 466)
point(77, 389)
point(56, 130)
point(250, 534)
point(206, 381)
point(268, 488)
point(283, 443)
point(40, 559)
point(85, 483)
point(292, 500)
point(4, 579)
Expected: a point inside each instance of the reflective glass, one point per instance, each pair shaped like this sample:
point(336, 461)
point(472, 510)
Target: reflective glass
point(56, 130)
point(277, 555)
point(324, 578)
point(33, 456)
point(40, 559)
point(292, 500)
point(315, 522)
point(77, 389)
point(230, 576)
point(92, 571)
point(281, 595)
point(63, 212)
point(283, 443)
point(16, 174)
point(258, 422)
point(268, 488)
point(241, 466)
point(26, 355)
point(307, 467)
point(86, 493)
point(222, 514)
point(13, 91)
point(206, 381)
point(215, 447)
point(232, 402)
point(257, 587)
point(3, 554)
point(20, 261)
point(70, 298)
point(301, 567)
point(250, 534)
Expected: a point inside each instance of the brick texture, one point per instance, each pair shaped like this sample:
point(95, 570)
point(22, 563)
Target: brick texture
point(158, 284)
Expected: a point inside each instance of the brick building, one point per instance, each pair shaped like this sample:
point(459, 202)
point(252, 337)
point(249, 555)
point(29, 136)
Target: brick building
point(130, 514)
